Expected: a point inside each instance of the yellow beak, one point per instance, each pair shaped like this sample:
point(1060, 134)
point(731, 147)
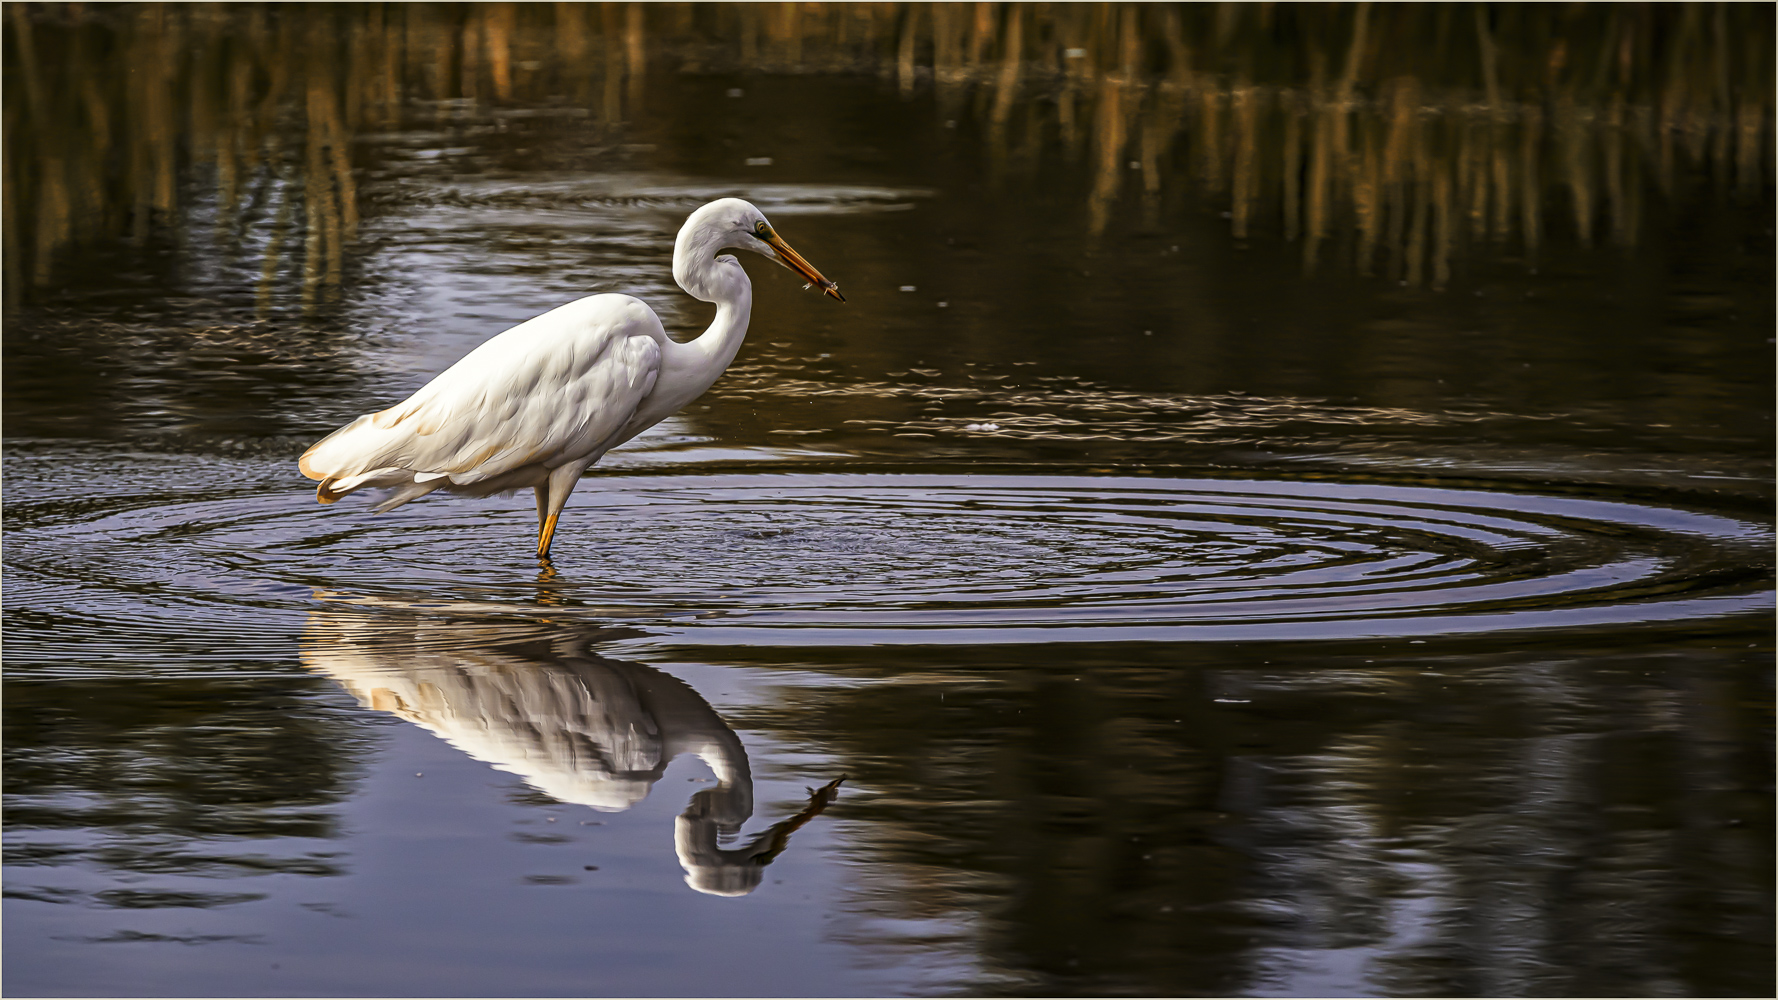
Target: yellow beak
point(793, 260)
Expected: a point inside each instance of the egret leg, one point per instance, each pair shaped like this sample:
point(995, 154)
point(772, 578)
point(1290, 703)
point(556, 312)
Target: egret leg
point(561, 483)
point(544, 535)
point(542, 492)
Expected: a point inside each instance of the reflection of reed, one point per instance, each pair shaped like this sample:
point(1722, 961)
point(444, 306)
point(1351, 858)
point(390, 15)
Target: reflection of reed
point(1399, 133)
point(107, 109)
point(1111, 822)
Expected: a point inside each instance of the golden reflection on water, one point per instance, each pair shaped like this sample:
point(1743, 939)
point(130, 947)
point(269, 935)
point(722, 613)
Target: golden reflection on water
point(1393, 136)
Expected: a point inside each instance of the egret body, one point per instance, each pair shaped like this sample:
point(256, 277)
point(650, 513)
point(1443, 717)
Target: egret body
point(540, 403)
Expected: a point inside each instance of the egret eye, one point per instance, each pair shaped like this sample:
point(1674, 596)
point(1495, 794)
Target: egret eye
point(761, 228)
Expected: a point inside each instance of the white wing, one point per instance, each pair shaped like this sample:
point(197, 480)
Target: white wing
point(548, 391)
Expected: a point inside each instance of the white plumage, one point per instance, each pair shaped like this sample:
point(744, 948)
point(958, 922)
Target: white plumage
point(550, 389)
point(538, 404)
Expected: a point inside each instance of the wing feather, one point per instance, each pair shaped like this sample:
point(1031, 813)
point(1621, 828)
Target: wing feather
point(550, 390)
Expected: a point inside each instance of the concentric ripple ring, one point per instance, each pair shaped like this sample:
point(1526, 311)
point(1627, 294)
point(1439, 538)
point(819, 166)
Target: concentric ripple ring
point(846, 558)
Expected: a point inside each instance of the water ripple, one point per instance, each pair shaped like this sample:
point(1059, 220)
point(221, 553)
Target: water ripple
point(151, 575)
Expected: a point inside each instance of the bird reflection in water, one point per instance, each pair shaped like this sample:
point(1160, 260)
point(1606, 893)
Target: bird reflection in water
point(535, 700)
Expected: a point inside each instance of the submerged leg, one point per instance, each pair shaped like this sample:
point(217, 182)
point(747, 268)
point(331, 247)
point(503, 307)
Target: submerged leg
point(561, 483)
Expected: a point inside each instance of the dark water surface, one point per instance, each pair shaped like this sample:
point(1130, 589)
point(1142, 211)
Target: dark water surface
point(1232, 542)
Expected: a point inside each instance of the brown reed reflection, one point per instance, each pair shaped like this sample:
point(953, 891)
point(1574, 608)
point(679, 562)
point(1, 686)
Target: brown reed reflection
point(1400, 134)
point(118, 118)
point(1174, 821)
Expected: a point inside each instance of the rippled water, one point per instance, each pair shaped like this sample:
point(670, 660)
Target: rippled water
point(817, 557)
point(1085, 608)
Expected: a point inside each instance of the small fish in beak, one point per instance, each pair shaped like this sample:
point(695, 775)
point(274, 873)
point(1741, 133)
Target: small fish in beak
point(793, 260)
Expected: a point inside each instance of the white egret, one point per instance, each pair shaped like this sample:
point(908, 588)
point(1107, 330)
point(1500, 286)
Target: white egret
point(540, 403)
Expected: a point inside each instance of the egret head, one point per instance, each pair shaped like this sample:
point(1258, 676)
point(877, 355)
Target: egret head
point(731, 222)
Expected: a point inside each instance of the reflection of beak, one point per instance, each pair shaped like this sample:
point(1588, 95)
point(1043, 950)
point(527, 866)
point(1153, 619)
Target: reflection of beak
point(793, 260)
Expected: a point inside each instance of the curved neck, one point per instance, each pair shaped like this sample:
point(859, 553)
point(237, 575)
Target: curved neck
point(690, 368)
point(719, 342)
